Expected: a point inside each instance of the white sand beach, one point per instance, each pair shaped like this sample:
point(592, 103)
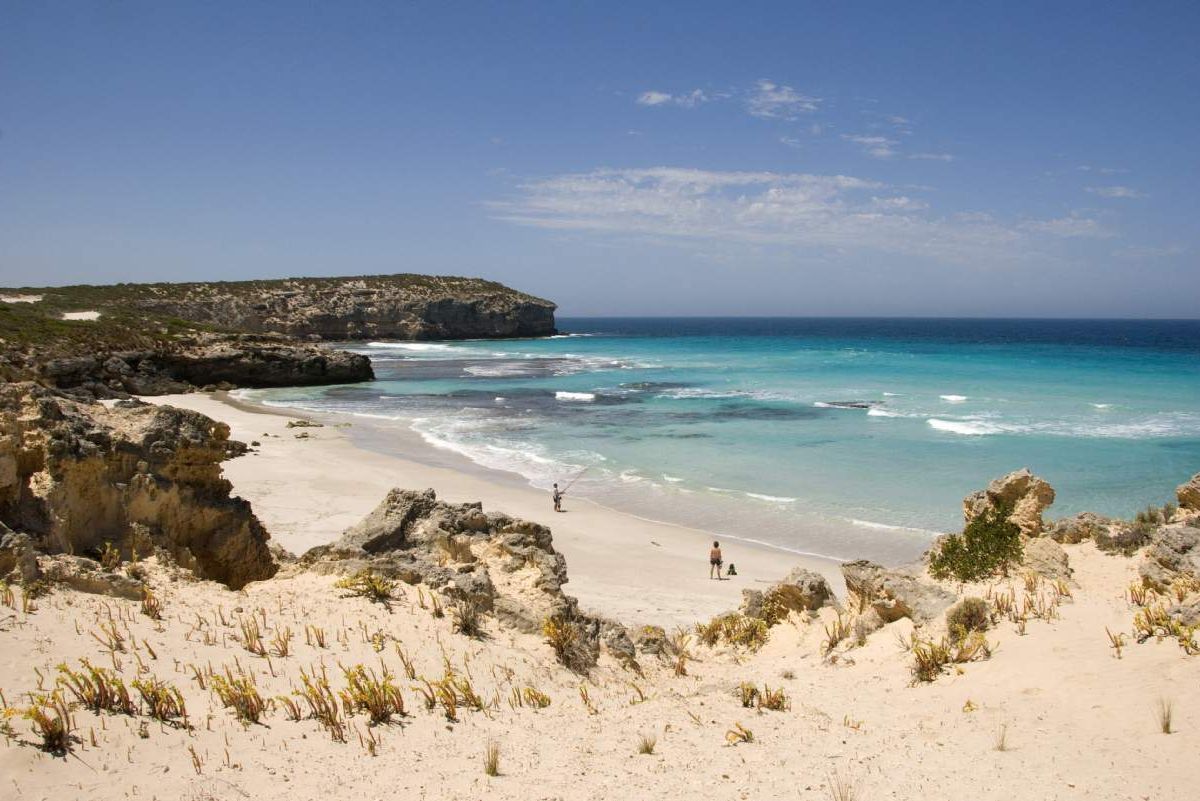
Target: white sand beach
point(308, 489)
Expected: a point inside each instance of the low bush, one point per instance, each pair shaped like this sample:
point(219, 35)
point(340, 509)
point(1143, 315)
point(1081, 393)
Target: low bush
point(969, 614)
point(988, 545)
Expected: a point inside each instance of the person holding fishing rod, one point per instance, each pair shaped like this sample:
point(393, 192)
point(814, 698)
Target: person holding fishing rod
point(558, 494)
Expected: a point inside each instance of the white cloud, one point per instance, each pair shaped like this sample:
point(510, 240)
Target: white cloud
point(773, 101)
point(686, 100)
point(1102, 170)
point(791, 141)
point(1147, 252)
point(795, 210)
point(1115, 191)
point(1073, 225)
point(931, 156)
point(878, 147)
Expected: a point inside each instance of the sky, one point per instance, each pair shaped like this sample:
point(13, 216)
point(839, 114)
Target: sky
point(919, 159)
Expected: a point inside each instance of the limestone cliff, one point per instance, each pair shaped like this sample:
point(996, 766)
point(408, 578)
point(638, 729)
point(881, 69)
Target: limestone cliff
point(366, 307)
point(75, 476)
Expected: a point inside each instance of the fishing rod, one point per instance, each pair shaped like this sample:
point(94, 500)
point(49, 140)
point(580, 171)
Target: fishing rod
point(578, 476)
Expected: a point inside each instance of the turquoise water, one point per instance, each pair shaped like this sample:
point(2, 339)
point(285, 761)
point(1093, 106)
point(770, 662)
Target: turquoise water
point(842, 438)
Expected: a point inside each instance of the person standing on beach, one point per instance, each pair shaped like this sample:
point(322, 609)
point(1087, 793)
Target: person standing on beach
point(557, 498)
point(715, 561)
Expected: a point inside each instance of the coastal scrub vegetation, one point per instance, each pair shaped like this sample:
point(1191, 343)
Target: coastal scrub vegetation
point(369, 585)
point(988, 545)
point(969, 614)
point(733, 628)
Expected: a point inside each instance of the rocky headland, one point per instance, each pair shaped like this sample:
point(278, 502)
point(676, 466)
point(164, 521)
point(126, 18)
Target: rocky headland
point(154, 339)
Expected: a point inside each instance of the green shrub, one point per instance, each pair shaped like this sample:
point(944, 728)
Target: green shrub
point(988, 545)
point(969, 614)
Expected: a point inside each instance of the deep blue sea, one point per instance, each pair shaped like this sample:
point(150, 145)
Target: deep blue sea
point(836, 437)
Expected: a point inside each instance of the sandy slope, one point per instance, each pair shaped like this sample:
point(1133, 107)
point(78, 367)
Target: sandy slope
point(1080, 723)
point(308, 490)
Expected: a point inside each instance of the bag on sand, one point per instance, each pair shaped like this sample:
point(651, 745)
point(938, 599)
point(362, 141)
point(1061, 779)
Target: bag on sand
point(732, 571)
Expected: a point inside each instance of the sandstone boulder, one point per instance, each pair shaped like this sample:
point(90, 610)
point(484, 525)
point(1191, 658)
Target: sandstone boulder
point(1080, 527)
point(1047, 558)
point(802, 590)
point(1021, 490)
point(895, 594)
point(18, 559)
point(1174, 552)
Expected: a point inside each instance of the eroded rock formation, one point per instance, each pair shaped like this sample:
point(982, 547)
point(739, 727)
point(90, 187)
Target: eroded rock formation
point(896, 593)
point(1022, 491)
point(505, 565)
point(75, 476)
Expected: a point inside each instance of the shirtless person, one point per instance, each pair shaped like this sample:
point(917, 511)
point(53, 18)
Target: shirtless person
point(557, 499)
point(715, 561)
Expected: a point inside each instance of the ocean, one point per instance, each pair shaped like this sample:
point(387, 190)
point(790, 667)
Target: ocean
point(844, 438)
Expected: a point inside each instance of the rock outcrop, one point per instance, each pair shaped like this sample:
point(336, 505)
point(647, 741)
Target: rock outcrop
point(1047, 558)
point(1174, 552)
point(506, 566)
point(209, 359)
point(802, 590)
point(1022, 491)
point(1188, 494)
point(77, 476)
point(895, 594)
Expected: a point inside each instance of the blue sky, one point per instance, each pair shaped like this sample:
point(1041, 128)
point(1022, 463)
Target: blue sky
point(994, 159)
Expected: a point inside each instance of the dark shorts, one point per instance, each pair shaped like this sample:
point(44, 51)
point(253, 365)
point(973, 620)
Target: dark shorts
point(716, 562)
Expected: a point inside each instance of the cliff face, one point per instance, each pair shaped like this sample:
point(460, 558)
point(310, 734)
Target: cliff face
point(159, 338)
point(75, 476)
point(371, 307)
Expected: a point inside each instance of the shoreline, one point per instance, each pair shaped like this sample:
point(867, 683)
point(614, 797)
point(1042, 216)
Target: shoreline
point(308, 489)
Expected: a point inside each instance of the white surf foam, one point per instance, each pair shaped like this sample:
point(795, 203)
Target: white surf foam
point(583, 397)
point(887, 527)
point(1101, 405)
point(953, 398)
point(771, 498)
point(414, 346)
point(875, 411)
point(672, 479)
point(972, 428)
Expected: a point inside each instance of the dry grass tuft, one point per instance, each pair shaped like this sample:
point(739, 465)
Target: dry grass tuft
point(646, 743)
point(733, 628)
point(836, 631)
point(1001, 743)
point(151, 606)
point(252, 636)
point(930, 657)
point(842, 788)
point(491, 759)
point(1116, 641)
point(239, 694)
point(564, 637)
point(774, 700)
point(365, 584)
point(322, 704)
point(467, 618)
point(1165, 712)
point(51, 719)
point(377, 695)
point(98, 689)
point(739, 734)
point(163, 701)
